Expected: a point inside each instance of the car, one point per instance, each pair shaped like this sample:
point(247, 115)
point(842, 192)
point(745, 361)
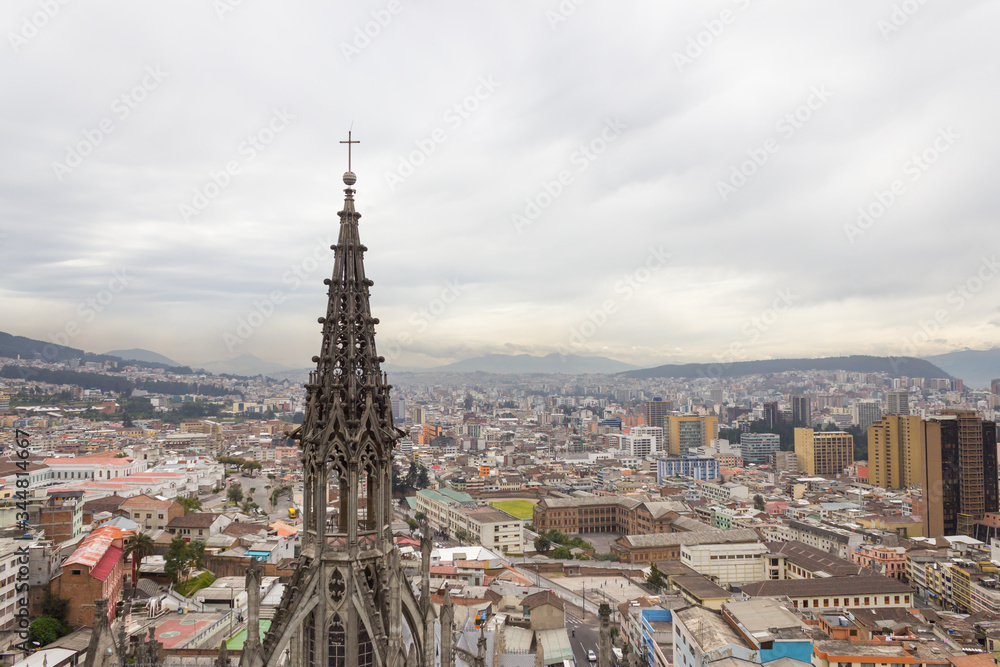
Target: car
point(591, 656)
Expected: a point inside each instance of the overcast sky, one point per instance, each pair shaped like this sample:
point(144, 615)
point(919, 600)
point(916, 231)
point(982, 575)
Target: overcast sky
point(652, 182)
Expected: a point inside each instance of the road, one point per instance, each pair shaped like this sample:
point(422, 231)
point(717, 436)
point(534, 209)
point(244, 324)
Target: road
point(583, 637)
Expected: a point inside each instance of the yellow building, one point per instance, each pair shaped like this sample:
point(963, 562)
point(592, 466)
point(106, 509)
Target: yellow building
point(685, 432)
point(823, 452)
point(895, 452)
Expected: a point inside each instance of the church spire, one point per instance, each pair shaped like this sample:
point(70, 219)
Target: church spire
point(349, 598)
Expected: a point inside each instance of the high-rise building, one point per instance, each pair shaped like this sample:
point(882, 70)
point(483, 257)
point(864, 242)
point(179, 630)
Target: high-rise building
point(801, 410)
point(657, 411)
point(823, 452)
point(642, 441)
point(896, 452)
point(772, 415)
point(399, 409)
point(419, 415)
point(758, 447)
point(960, 472)
point(897, 402)
point(685, 432)
point(866, 412)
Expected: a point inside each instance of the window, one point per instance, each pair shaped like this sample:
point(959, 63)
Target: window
point(897, 599)
point(867, 602)
point(75, 573)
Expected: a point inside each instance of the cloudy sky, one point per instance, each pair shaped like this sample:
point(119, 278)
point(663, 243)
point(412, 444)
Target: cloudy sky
point(652, 182)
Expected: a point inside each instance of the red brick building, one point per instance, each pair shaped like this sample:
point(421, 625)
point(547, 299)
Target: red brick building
point(95, 570)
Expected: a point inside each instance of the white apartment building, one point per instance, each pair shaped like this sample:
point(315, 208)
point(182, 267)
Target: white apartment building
point(727, 563)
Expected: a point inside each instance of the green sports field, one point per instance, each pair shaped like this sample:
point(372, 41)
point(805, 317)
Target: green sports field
point(522, 509)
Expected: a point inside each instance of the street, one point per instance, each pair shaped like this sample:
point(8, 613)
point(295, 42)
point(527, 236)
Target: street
point(586, 639)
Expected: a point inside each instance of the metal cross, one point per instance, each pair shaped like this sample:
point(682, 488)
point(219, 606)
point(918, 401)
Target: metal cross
point(349, 142)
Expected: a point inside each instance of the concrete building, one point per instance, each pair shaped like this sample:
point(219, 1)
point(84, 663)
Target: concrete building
point(685, 432)
point(727, 563)
point(836, 592)
point(896, 452)
point(703, 468)
point(667, 546)
point(897, 402)
point(151, 513)
point(823, 452)
point(960, 472)
point(801, 410)
point(758, 447)
point(61, 515)
point(866, 412)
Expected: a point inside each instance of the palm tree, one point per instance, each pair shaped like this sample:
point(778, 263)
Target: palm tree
point(139, 546)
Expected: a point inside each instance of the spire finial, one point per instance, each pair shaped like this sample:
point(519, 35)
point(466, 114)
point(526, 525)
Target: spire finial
point(349, 177)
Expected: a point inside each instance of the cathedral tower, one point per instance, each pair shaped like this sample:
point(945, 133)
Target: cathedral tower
point(349, 602)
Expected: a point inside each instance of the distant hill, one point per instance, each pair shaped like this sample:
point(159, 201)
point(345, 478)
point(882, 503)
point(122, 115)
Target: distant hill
point(138, 354)
point(895, 366)
point(554, 363)
point(13, 347)
point(245, 364)
point(975, 367)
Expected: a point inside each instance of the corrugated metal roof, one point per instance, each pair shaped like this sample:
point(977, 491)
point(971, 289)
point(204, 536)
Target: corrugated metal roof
point(104, 567)
point(94, 546)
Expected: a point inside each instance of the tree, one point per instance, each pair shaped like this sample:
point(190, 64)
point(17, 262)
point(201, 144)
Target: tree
point(419, 516)
point(461, 535)
point(127, 421)
point(423, 479)
point(190, 504)
point(543, 544)
point(177, 563)
point(249, 506)
point(655, 578)
point(46, 630)
point(196, 551)
point(235, 494)
point(55, 606)
point(413, 525)
point(562, 553)
point(139, 546)
point(758, 503)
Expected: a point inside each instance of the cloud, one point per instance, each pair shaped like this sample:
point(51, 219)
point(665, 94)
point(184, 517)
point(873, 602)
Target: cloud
point(414, 93)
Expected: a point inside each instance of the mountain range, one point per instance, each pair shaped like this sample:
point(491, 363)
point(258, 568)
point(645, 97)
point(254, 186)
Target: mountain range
point(975, 367)
point(896, 366)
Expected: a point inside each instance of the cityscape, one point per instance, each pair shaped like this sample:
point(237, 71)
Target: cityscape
point(525, 335)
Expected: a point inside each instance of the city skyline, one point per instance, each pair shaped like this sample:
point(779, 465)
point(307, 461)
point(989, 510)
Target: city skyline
point(546, 181)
